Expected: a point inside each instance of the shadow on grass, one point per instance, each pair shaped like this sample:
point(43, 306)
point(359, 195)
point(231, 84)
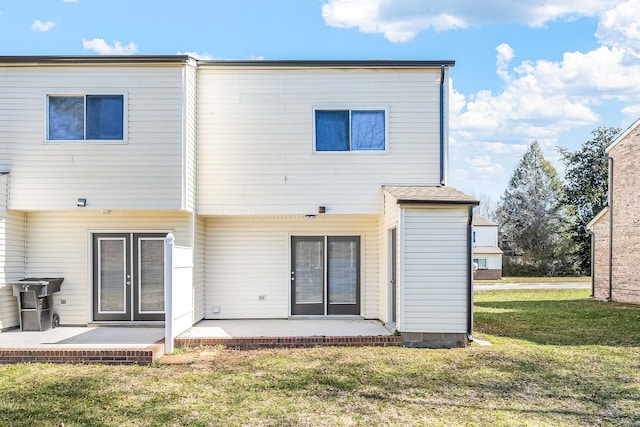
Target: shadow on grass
point(564, 322)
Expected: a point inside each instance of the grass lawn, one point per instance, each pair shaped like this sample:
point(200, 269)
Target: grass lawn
point(557, 359)
point(504, 280)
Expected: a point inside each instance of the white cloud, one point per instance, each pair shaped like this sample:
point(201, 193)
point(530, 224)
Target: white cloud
point(504, 148)
point(70, 1)
point(196, 55)
point(619, 27)
point(505, 55)
point(103, 48)
point(482, 166)
point(401, 20)
point(42, 26)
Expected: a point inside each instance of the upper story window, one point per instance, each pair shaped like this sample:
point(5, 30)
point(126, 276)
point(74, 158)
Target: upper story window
point(90, 117)
point(350, 129)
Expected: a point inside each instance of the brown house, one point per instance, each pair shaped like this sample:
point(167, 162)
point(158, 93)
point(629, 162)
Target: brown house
point(616, 229)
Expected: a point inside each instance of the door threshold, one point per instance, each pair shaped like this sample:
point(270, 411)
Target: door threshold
point(147, 324)
point(327, 317)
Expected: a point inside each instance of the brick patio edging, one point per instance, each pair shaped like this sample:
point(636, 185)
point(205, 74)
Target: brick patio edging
point(107, 356)
point(247, 343)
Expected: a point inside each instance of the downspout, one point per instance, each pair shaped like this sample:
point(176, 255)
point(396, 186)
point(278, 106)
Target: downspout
point(610, 297)
point(469, 276)
point(442, 136)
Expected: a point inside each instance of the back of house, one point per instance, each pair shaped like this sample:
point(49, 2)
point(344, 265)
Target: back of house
point(297, 188)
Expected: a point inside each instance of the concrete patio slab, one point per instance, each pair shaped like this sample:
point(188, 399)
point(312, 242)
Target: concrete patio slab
point(286, 328)
point(106, 345)
point(273, 333)
point(82, 337)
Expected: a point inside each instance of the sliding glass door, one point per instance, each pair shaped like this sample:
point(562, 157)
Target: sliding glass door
point(325, 275)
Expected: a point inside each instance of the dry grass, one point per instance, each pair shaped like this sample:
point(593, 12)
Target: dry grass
point(557, 359)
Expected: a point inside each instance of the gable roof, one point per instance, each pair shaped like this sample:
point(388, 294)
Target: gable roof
point(438, 195)
point(623, 135)
point(481, 220)
point(596, 218)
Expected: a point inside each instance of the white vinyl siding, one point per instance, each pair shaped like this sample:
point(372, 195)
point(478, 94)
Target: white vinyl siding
point(58, 245)
point(144, 173)
point(12, 257)
point(191, 138)
point(485, 235)
point(256, 155)
point(435, 270)
point(250, 257)
point(388, 221)
point(199, 269)
point(492, 261)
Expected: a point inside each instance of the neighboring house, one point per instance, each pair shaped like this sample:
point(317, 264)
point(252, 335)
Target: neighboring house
point(292, 188)
point(615, 230)
point(487, 256)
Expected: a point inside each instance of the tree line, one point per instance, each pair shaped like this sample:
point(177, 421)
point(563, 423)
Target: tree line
point(542, 218)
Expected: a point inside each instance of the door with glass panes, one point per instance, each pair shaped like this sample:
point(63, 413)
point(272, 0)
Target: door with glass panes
point(325, 275)
point(128, 276)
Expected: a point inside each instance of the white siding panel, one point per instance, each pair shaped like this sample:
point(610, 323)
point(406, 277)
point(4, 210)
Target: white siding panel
point(144, 173)
point(388, 221)
point(191, 137)
point(435, 270)
point(12, 256)
point(58, 245)
point(256, 139)
point(199, 268)
point(249, 257)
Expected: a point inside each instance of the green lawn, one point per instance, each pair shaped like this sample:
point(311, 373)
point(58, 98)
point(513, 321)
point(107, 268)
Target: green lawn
point(582, 279)
point(557, 359)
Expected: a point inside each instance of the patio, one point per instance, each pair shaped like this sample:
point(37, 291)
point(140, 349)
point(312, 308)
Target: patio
point(143, 345)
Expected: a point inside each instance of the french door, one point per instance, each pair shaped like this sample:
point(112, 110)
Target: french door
point(325, 275)
point(128, 276)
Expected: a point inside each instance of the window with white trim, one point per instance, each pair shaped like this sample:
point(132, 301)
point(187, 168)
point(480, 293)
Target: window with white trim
point(339, 129)
point(480, 262)
point(88, 117)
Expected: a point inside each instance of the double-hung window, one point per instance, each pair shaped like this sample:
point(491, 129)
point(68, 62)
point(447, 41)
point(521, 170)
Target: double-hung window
point(350, 130)
point(89, 117)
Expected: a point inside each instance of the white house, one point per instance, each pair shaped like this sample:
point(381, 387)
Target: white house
point(293, 188)
point(487, 256)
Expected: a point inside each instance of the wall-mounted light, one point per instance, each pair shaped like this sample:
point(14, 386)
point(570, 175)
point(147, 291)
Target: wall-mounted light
point(81, 203)
point(322, 209)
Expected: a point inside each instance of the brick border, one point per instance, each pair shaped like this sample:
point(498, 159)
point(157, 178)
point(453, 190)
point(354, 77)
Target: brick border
point(107, 356)
point(247, 343)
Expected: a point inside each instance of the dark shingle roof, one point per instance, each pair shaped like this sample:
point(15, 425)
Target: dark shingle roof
point(430, 195)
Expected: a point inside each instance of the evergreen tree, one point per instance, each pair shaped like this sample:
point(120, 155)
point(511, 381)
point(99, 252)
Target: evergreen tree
point(585, 188)
point(532, 217)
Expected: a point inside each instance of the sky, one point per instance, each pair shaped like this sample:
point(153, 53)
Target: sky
point(550, 71)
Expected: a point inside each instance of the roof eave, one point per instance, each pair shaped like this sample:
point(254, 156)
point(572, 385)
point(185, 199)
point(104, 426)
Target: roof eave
point(95, 59)
point(438, 202)
point(329, 63)
point(622, 135)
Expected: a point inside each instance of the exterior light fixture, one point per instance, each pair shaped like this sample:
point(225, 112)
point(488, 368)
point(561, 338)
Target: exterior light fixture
point(81, 203)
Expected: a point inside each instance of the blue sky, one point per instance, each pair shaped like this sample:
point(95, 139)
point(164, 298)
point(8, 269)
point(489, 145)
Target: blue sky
point(541, 70)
